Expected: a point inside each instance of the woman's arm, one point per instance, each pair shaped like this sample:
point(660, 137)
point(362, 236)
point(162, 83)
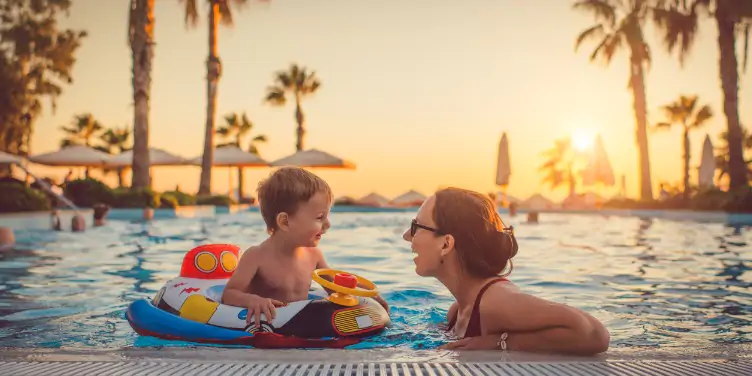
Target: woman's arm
point(555, 340)
point(535, 325)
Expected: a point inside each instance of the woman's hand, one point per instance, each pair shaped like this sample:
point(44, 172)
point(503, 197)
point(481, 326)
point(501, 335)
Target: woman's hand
point(487, 342)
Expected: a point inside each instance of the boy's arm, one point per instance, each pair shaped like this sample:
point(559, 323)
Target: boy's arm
point(234, 293)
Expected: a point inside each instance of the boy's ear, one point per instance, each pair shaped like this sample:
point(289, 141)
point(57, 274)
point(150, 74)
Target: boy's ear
point(283, 221)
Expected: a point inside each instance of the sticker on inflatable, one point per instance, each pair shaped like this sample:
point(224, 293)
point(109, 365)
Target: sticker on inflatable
point(348, 321)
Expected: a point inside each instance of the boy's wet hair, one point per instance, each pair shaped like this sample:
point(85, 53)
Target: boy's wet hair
point(285, 189)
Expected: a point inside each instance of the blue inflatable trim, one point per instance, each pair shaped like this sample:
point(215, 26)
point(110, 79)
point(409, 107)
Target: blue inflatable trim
point(152, 321)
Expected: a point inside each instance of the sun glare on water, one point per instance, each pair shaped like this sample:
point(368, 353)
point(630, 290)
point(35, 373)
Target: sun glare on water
point(582, 139)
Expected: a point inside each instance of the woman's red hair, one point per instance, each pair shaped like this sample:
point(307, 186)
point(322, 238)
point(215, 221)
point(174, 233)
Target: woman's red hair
point(483, 244)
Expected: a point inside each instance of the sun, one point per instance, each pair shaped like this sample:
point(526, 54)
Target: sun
point(582, 139)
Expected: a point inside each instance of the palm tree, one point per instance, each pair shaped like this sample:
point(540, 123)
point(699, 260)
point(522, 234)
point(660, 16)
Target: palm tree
point(619, 26)
point(115, 141)
point(81, 131)
point(141, 40)
point(684, 112)
point(237, 127)
point(559, 165)
point(299, 83)
point(679, 21)
point(219, 11)
point(722, 158)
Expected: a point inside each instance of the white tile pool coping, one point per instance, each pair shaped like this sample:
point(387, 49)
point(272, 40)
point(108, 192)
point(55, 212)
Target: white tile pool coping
point(358, 362)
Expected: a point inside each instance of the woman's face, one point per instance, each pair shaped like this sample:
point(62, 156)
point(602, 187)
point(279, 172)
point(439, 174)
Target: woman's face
point(426, 244)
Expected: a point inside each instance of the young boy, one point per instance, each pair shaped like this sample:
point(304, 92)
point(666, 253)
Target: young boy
point(295, 206)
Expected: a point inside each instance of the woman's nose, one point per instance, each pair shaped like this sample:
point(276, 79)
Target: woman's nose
point(406, 235)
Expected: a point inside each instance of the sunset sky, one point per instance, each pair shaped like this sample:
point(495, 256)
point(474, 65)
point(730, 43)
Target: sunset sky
point(417, 93)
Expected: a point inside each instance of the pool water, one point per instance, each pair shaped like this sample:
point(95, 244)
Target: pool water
point(656, 284)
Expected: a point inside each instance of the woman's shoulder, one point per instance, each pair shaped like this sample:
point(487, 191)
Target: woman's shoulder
point(499, 297)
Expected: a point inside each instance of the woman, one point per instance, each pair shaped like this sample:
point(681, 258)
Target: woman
point(460, 240)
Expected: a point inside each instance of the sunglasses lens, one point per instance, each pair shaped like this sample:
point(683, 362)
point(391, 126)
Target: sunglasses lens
point(413, 228)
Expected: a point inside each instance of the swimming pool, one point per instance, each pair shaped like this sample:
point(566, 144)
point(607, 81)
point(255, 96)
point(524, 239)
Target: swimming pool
point(684, 287)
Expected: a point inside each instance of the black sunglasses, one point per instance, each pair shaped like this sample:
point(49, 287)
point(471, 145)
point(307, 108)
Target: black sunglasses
point(414, 226)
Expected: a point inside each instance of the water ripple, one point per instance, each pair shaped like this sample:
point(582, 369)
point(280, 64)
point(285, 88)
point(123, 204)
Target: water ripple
point(654, 283)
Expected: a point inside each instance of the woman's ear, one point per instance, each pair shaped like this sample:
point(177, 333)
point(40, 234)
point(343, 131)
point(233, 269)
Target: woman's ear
point(283, 221)
point(448, 245)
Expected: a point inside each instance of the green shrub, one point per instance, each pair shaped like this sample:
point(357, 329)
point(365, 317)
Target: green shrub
point(739, 201)
point(89, 192)
point(183, 199)
point(217, 200)
point(136, 198)
point(168, 201)
point(19, 198)
point(714, 199)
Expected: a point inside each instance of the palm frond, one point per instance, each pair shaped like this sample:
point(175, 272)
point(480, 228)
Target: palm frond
point(225, 14)
point(702, 116)
point(596, 31)
point(662, 126)
point(679, 27)
point(602, 9)
point(69, 142)
point(260, 138)
point(275, 96)
point(284, 79)
point(191, 12)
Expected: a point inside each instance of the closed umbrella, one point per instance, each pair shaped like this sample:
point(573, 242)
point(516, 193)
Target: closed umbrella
point(598, 169)
point(707, 165)
point(503, 168)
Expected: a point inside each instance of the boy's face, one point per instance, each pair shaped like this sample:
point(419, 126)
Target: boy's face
point(311, 220)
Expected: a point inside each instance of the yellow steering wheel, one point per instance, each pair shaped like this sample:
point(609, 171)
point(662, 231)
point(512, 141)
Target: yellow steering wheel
point(345, 283)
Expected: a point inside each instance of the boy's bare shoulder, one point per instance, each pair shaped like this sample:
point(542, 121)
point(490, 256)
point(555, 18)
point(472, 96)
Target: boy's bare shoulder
point(252, 253)
point(315, 251)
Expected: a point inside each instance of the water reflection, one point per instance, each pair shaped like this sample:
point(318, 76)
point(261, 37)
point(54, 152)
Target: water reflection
point(655, 283)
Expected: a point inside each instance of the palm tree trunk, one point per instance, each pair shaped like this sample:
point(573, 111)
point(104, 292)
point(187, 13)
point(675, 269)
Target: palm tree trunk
point(730, 85)
point(300, 119)
point(214, 68)
point(142, 52)
point(637, 84)
point(240, 183)
point(572, 182)
point(86, 170)
point(686, 162)
point(121, 177)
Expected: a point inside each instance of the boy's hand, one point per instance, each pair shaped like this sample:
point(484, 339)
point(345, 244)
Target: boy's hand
point(258, 305)
point(381, 301)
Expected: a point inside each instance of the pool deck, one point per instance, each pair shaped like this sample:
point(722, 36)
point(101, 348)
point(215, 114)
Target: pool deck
point(362, 362)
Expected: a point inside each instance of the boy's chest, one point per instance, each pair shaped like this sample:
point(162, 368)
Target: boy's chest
point(287, 278)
